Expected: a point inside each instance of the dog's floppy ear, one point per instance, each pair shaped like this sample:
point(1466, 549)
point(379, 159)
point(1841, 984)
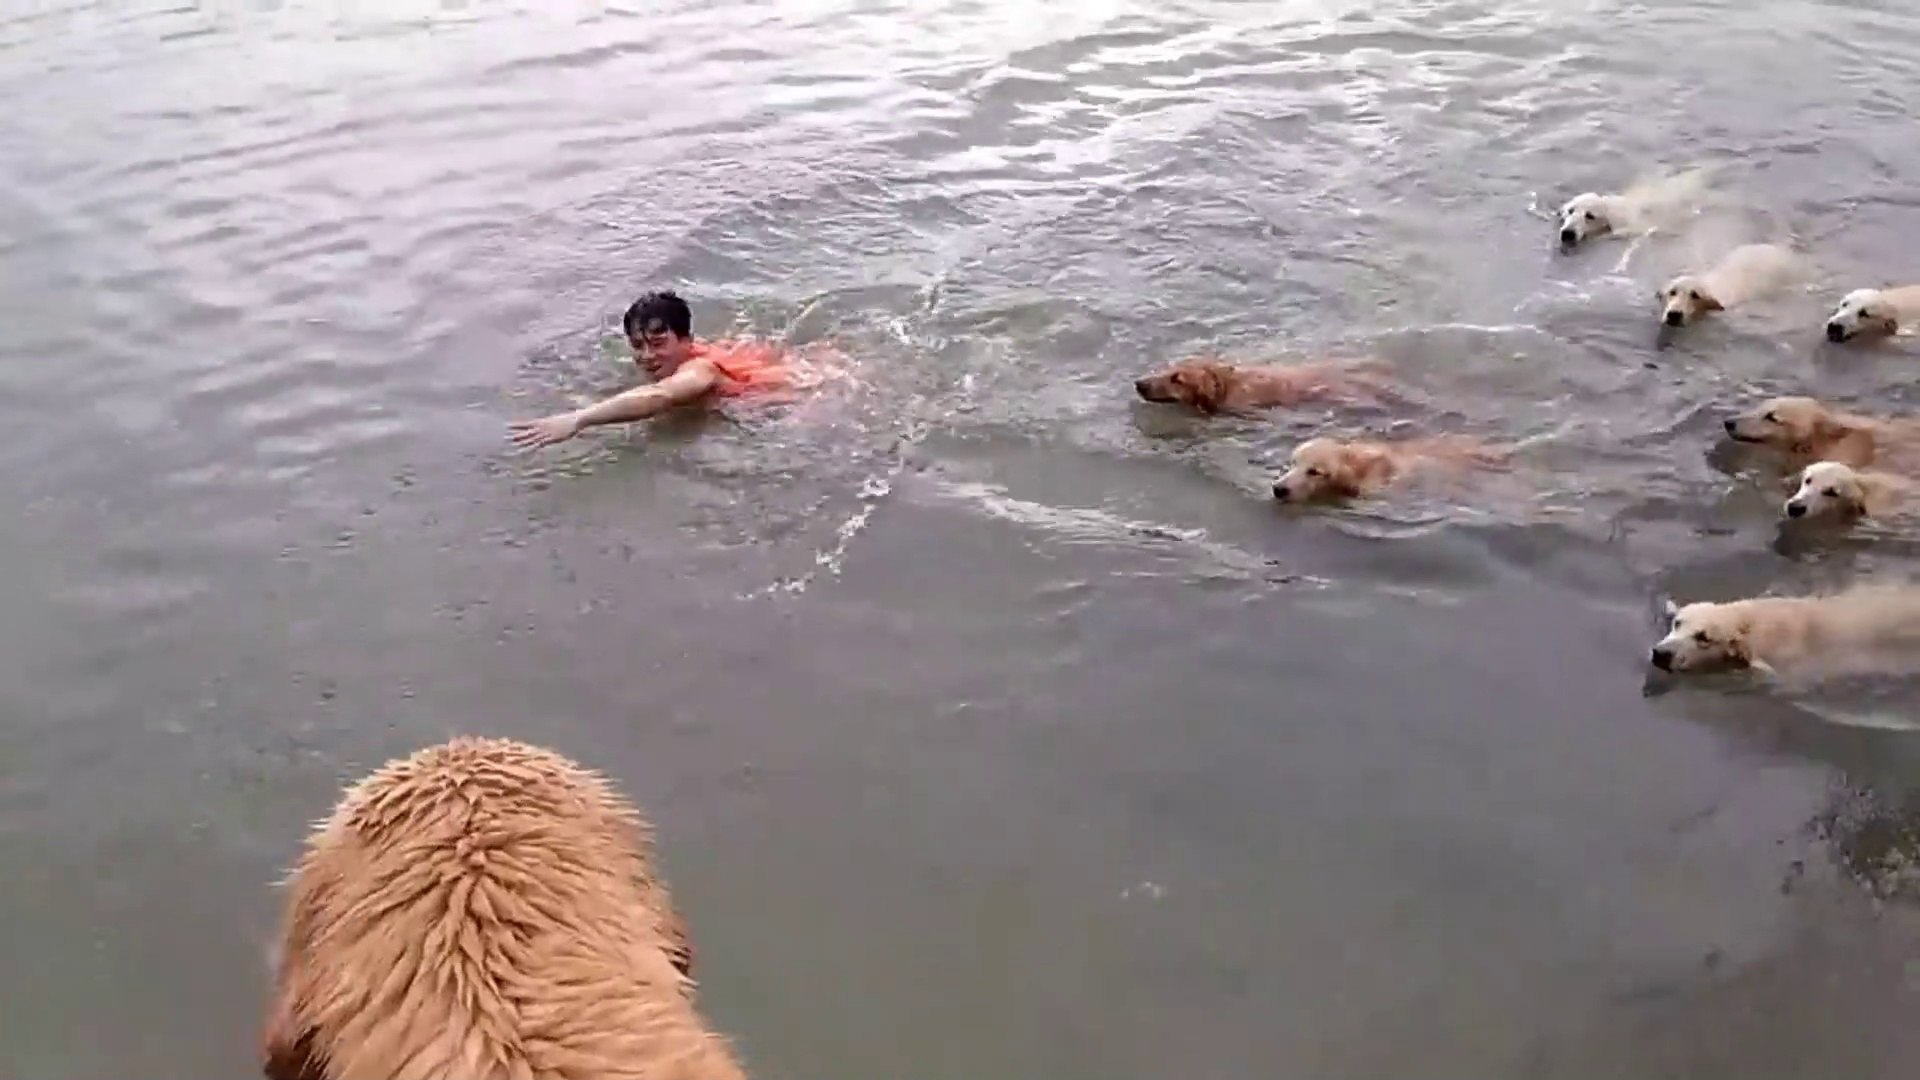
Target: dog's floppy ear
point(286, 1047)
point(1740, 640)
point(1854, 497)
point(679, 943)
point(288, 1043)
point(1710, 302)
point(1880, 315)
point(1211, 381)
point(1201, 385)
point(1831, 427)
point(1365, 463)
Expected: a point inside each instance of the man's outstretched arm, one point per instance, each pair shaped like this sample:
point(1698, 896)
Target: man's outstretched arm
point(687, 385)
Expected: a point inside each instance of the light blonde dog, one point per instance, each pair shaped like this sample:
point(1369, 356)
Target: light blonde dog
point(1873, 312)
point(1591, 214)
point(1322, 468)
point(1747, 273)
point(1765, 633)
point(1807, 430)
point(1651, 203)
point(484, 910)
point(1833, 489)
point(1213, 386)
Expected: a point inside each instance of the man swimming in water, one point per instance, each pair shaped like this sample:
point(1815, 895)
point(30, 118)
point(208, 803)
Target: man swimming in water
point(659, 328)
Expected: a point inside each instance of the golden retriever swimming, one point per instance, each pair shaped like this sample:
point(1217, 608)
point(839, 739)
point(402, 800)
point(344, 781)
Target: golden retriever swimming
point(1873, 313)
point(1833, 489)
point(484, 910)
point(1592, 214)
point(1323, 468)
point(1213, 386)
point(1642, 207)
point(1747, 273)
point(1767, 632)
point(1808, 430)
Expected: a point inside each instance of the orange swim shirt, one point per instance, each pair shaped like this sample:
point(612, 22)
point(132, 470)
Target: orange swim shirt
point(748, 367)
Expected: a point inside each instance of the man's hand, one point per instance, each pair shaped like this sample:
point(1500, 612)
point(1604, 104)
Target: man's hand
point(546, 431)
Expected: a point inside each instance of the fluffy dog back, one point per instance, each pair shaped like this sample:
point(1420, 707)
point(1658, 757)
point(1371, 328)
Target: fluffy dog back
point(484, 910)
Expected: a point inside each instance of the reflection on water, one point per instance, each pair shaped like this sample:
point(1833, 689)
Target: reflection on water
point(955, 660)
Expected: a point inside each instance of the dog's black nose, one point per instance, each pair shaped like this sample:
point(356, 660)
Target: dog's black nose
point(1674, 318)
point(1836, 332)
point(1662, 659)
point(1796, 509)
point(1282, 492)
point(1569, 237)
point(1731, 425)
point(1140, 387)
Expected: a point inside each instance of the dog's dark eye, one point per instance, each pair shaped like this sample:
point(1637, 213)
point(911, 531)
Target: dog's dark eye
point(1700, 637)
point(1771, 418)
point(1831, 493)
point(1313, 472)
point(1693, 294)
point(1590, 216)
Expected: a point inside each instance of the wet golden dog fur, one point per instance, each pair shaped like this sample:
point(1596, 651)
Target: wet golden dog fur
point(484, 910)
point(1832, 489)
point(1768, 632)
point(1324, 468)
point(1213, 386)
point(1807, 430)
point(1649, 203)
point(1745, 274)
point(1874, 313)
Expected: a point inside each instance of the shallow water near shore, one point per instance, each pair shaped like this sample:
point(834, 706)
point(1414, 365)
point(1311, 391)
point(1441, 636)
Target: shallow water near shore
point(995, 723)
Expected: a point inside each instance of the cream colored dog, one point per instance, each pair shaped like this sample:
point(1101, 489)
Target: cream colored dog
point(1591, 214)
point(1873, 312)
point(1807, 430)
point(1764, 633)
point(484, 910)
point(1324, 468)
point(1836, 489)
point(1747, 273)
point(1642, 207)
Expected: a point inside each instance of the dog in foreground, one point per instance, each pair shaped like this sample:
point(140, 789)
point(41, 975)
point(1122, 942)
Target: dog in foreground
point(484, 910)
point(1765, 633)
point(1213, 386)
point(1322, 468)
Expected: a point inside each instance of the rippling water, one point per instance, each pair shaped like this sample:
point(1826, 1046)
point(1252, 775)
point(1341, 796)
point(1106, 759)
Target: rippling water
point(995, 723)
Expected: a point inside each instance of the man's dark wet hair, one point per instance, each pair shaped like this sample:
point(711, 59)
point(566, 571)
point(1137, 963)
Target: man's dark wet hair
point(656, 311)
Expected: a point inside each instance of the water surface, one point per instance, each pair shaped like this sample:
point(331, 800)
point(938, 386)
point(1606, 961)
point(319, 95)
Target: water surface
point(995, 723)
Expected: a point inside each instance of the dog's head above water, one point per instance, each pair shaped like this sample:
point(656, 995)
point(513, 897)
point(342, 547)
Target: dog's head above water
point(1197, 384)
point(1324, 468)
point(1798, 424)
point(1704, 636)
point(1584, 217)
point(1684, 300)
point(1862, 311)
point(1827, 488)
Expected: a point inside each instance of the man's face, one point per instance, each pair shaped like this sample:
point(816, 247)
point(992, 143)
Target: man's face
point(658, 348)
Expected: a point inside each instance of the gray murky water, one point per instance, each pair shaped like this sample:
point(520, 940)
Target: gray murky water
point(995, 724)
